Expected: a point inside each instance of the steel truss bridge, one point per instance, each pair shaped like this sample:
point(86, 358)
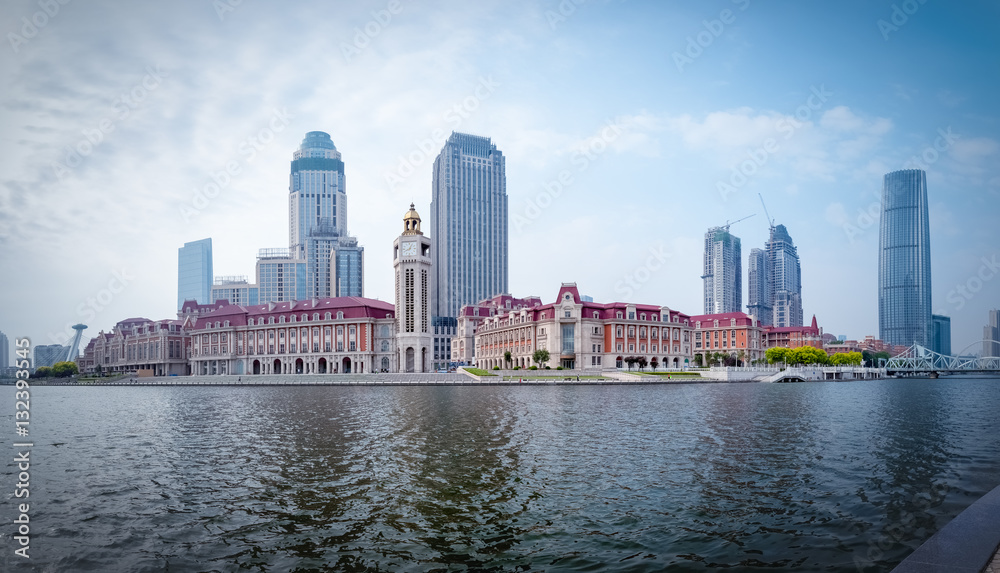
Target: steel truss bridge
point(918, 360)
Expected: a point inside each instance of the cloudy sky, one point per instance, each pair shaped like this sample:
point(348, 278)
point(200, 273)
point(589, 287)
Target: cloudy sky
point(629, 128)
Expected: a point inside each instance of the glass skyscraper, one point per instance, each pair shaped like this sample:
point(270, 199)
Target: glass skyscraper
point(194, 272)
point(317, 222)
point(759, 303)
point(468, 224)
point(904, 260)
point(941, 334)
point(785, 284)
point(723, 274)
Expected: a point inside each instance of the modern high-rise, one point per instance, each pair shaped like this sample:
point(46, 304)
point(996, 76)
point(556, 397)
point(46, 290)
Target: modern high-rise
point(758, 295)
point(4, 351)
point(317, 221)
point(468, 224)
point(334, 264)
point(280, 276)
point(785, 279)
point(49, 354)
point(941, 334)
point(991, 334)
point(904, 260)
point(237, 290)
point(723, 272)
point(317, 192)
point(194, 272)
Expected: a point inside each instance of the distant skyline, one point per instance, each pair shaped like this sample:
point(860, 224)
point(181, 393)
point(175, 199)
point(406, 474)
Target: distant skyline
point(628, 129)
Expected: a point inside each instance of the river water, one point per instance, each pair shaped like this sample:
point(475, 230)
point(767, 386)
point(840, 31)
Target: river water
point(846, 476)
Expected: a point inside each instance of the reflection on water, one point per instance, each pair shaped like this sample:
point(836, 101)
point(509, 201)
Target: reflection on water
point(819, 477)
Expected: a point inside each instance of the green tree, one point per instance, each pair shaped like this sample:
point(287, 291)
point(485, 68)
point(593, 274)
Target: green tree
point(506, 357)
point(541, 356)
point(64, 369)
point(809, 355)
point(776, 355)
point(42, 372)
point(741, 356)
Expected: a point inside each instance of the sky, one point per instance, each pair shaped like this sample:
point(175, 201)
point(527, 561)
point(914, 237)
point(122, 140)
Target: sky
point(629, 129)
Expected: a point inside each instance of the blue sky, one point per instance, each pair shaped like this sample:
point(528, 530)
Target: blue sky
point(589, 92)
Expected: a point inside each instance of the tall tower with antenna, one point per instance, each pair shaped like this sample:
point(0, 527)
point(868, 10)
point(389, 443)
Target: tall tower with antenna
point(723, 272)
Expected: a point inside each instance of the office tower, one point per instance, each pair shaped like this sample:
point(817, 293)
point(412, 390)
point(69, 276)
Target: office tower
point(759, 297)
point(194, 272)
point(941, 334)
point(48, 355)
point(468, 224)
point(785, 279)
point(4, 352)
point(334, 264)
point(413, 268)
point(723, 274)
point(317, 216)
point(235, 289)
point(904, 260)
point(991, 334)
point(280, 276)
point(317, 191)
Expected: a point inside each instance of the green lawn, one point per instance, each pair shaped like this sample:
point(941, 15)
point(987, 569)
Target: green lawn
point(532, 376)
point(671, 374)
point(477, 371)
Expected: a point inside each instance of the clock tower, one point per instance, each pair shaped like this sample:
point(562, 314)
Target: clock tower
point(411, 259)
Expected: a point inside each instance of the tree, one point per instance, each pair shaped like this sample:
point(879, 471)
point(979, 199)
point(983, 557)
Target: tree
point(741, 356)
point(64, 369)
point(642, 362)
point(808, 355)
point(698, 360)
point(630, 360)
point(506, 357)
point(98, 369)
point(541, 356)
point(654, 362)
point(42, 372)
point(777, 354)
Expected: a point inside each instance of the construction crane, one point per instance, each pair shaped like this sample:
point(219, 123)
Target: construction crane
point(726, 226)
point(770, 221)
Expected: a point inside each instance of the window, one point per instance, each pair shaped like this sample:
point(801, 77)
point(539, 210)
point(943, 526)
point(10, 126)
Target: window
point(631, 315)
point(567, 314)
point(619, 315)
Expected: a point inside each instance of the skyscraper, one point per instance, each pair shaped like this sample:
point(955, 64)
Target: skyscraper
point(723, 274)
point(280, 277)
point(48, 355)
point(941, 334)
point(785, 279)
point(317, 192)
point(904, 260)
point(4, 351)
point(317, 217)
point(194, 272)
point(468, 223)
point(991, 334)
point(759, 297)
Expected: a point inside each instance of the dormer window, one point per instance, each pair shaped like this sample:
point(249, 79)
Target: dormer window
point(315, 316)
point(328, 315)
point(340, 315)
point(281, 319)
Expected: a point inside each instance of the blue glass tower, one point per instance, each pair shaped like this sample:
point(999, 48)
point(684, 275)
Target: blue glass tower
point(904, 261)
point(317, 191)
point(194, 272)
point(468, 223)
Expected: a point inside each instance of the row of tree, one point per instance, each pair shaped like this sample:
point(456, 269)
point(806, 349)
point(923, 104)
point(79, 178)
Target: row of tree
point(812, 355)
point(58, 370)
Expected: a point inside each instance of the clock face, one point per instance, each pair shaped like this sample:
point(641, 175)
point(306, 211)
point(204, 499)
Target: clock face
point(409, 249)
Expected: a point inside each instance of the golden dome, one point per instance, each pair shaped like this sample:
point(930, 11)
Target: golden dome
point(411, 222)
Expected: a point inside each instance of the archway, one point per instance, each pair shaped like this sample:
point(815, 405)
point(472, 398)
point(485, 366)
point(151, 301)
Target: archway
point(321, 366)
point(410, 357)
point(256, 366)
point(347, 366)
point(298, 366)
point(385, 364)
point(277, 367)
point(618, 362)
